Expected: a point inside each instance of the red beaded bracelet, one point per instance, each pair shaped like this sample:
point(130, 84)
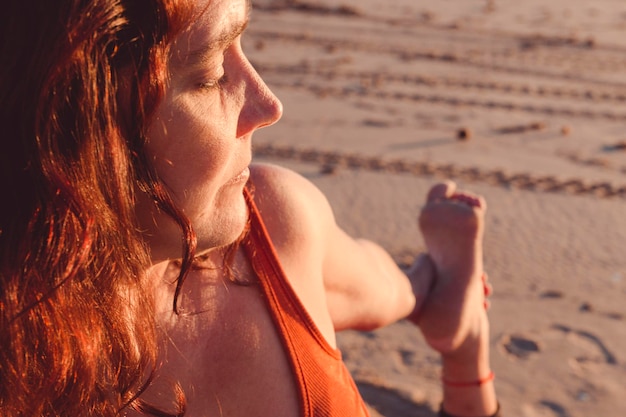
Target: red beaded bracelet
point(476, 383)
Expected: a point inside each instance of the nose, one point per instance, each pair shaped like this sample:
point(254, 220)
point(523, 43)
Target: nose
point(261, 107)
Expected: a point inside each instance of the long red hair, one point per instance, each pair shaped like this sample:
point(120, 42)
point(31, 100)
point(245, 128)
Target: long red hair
point(77, 333)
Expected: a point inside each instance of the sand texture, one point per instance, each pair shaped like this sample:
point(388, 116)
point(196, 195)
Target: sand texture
point(523, 102)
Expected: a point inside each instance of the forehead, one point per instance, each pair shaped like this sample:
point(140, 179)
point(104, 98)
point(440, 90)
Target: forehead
point(216, 24)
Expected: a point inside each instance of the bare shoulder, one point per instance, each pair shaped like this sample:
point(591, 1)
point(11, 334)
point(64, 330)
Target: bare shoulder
point(278, 185)
point(299, 221)
point(344, 283)
point(294, 209)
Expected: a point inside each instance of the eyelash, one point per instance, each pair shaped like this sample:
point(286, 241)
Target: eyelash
point(214, 84)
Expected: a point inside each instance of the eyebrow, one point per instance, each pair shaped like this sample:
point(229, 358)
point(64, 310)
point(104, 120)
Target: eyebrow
point(222, 41)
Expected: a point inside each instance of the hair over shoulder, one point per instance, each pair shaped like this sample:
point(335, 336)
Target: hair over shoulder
point(79, 81)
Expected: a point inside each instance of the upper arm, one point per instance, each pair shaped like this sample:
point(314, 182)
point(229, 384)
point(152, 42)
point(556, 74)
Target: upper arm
point(364, 286)
point(355, 281)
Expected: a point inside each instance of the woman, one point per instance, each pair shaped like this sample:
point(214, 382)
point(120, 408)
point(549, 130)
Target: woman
point(148, 268)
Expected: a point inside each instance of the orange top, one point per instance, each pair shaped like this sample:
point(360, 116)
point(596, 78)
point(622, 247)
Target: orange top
point(324, 384)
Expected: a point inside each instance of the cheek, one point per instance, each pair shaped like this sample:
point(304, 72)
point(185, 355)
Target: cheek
point(186, 149)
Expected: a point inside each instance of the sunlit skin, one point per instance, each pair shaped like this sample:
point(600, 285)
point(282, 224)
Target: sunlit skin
point(200, 140)
point(228, 358)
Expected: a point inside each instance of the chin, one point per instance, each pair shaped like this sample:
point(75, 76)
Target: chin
point(226, 228)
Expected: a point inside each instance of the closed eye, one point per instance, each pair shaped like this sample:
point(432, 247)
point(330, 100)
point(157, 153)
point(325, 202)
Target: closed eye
point(214, 84)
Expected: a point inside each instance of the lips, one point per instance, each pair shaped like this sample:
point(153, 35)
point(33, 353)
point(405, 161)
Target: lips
point(242, 177)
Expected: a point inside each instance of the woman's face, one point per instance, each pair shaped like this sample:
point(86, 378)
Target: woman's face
point(200, 139)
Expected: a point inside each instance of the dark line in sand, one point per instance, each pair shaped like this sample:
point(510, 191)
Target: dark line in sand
point(523, 181)
point(407, 54)
point(449, 100)
point(530, 41)
point(609, 357)
point(376, 79)
point(554, 407)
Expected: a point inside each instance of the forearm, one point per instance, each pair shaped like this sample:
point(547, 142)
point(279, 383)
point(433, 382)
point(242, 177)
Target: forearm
point(389, 290)
point(365, 289)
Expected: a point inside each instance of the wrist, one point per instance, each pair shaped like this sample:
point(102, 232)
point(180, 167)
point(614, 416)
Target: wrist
point(468, 387)
point(470, 398)
point(470, 361)
point(466, 383)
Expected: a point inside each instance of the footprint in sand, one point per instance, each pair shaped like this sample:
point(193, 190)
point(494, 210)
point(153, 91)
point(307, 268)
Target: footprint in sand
point(594, 350)
point(519, 346)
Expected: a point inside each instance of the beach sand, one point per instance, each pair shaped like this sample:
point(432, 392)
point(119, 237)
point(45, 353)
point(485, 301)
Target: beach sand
point(523, 102)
